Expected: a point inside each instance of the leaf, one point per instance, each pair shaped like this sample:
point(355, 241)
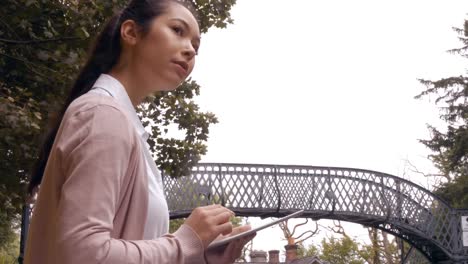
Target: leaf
point(11, 99)
point(38, 115)
point(85, 32)
point(30, 2)
point(48, 34)
point(72, 58)
point(43, 55)
point(35, 126)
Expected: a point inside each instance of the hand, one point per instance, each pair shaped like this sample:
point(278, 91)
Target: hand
point(233, 250)
point(209, 222)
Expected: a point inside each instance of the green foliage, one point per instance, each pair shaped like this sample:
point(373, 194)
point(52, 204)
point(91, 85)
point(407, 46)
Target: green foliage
point(341, 251)
point(450, 147)
point(174, 224)
point(303, 252)
point(6, 233)
point(381, 249)
point(213, 13)
point(42, 47)
point(456, 191)
point(9, 252)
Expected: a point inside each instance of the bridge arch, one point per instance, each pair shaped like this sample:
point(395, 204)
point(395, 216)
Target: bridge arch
point(370, 198)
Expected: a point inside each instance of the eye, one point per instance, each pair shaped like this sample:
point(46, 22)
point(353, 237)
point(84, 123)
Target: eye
point(178, 30)
point(196, 47)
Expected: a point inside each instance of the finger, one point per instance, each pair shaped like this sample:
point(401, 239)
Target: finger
point(251, 236)
point(235, 250)
point(248, 238)
point(229, 253)
point(218, 210)
point(220, 236)
point(222, 218)
point(211, 206)
point(240, 229)
point(225, 228)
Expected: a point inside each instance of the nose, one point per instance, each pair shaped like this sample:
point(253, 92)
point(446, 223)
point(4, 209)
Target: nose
point(189, 51)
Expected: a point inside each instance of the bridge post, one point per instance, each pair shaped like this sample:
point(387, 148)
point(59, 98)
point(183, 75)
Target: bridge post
point(221, 186)
point(24, 230)
point(262, 186)
point(399, 201)
point(402, 249)
point(459, 230)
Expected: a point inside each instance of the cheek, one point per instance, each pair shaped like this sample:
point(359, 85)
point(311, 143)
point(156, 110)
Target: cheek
point(191, 65)
point(151, 57)
point(153, 48)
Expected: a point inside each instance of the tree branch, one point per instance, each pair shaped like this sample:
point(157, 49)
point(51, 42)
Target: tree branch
point(307, 237)
point(313, 233)
point(415, 170)
point(284, 227)
point(39, 41)
point(294, 229)
point(338, 228)
point(9, 28)
point(27, 62)
point(30, 66)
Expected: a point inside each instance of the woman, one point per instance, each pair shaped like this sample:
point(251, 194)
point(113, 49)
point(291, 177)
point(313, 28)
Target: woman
point(101, 197)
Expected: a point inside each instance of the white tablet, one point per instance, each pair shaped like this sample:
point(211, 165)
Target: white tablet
point(226, 240)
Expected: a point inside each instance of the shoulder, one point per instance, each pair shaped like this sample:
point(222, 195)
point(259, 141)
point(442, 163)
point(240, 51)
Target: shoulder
point(97, 115)
point(89, 101)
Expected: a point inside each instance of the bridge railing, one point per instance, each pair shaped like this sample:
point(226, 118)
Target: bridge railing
point(363, 196)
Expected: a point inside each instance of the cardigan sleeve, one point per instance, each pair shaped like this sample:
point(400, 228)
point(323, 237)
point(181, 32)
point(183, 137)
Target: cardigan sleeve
point(95, 149)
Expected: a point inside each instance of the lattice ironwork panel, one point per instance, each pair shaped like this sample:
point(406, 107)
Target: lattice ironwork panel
point(415, 257)
point(367, 197)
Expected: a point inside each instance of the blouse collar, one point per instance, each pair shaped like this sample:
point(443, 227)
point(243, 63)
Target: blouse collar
point(115, 89)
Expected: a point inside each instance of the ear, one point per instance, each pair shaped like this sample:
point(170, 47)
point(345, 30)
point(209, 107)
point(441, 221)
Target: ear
point(129, 32)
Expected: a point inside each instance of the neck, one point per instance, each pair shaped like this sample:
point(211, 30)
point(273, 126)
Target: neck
point(131, 86)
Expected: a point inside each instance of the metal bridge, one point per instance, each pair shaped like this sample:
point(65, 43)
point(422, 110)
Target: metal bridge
point(370, 198)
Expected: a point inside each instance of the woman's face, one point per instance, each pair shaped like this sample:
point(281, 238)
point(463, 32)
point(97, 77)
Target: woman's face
point(165, 56)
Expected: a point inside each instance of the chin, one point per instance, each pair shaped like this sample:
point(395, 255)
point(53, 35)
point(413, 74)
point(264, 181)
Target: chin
point(168, 88)
point(164, 83)
point(172, 85)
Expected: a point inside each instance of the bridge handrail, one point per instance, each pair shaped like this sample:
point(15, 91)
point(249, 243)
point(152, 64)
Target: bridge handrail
point(417, 186)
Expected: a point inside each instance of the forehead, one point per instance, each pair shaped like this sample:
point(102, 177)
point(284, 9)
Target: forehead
point(177, 11)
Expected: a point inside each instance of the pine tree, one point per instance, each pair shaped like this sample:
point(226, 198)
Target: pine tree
point(449, 146)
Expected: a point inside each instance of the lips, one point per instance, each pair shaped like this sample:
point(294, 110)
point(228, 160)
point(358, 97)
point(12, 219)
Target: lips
point(182, 67)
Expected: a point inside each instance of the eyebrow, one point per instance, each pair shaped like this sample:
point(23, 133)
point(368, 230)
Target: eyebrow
point(197, 38)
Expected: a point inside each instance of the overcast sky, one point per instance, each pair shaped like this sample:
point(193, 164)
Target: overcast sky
point(327, 83)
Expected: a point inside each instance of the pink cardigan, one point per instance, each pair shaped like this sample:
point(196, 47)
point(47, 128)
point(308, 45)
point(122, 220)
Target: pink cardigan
point(93, 199)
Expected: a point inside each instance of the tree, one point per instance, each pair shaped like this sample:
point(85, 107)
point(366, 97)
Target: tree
point(382, 249)
point(42, 46)
point(341, 251)
point(310, 251)
point(298, 239)
point(450, 145)
point(9, 251)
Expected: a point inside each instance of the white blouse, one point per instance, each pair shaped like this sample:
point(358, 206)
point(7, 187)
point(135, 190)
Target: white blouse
point(157, 221)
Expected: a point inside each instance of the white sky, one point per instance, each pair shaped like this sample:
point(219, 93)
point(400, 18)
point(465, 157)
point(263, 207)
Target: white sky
point(327, 83)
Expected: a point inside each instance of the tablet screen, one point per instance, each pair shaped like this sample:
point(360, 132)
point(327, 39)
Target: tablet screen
point(226, 240)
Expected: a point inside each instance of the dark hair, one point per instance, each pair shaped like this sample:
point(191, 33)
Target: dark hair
point(103, 57)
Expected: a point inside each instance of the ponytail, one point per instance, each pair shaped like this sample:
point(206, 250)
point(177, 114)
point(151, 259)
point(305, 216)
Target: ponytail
point(104, 55)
